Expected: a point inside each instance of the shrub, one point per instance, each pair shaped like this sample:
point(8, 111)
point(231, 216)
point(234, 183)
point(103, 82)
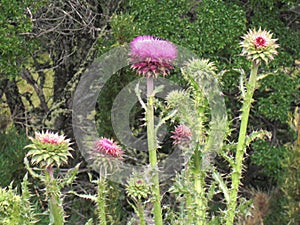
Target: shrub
point(11, 157)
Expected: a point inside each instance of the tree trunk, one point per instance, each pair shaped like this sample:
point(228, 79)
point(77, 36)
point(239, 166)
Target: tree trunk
point(15, 103)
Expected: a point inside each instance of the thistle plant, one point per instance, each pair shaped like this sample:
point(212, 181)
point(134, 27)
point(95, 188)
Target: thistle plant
point(104, 150)
point(181, 135)
point(49, 151)
point(258, 46)
point(152, 57)
point(104, 153)
point(138, 190)
point(191, 136)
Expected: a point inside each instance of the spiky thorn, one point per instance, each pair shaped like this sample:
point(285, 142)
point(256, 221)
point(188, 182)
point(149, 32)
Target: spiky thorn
point(261, 134)
point(31, 171)
point(242, 86)
point(164, 119)
point(229, 159)
point(138, 95)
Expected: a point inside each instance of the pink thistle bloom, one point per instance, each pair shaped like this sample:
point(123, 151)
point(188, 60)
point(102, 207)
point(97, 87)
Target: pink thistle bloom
point(108, 147)
point(152, 56)
point(50, 138)
point(49, 149)
point(182, 134)
point(258, 45)
point(260, 41)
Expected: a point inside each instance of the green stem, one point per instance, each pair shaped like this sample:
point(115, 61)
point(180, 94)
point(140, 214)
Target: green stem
point(55, 203)
point(101, 205)
point(152, 148)
point(189, 200)
point(199, 190)
point(140, 212)
point(240, 150)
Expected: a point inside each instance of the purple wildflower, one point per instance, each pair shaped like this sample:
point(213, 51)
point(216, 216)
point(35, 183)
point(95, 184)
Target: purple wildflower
point(108, 147)
point(152, 56)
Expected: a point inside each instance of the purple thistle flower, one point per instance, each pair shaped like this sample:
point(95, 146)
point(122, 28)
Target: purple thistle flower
point(181, 135)
point(152, 56)
point(108, 147)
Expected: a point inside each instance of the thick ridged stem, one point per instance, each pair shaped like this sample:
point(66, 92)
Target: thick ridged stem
point(241, 148)
point(101, 203)
point(199, 190)
point(152, 148)
point(189, 200)
point(55, 203)
point(141, 214)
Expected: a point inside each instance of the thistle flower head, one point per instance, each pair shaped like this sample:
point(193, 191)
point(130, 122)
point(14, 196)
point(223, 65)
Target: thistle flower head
point(152, 56)
point(177, 98)
point(181, 135)
point(137, 187)
point(49, 138)
point(258, 46)
point(49, 149)
point(108, 147)
point(203, 65)
point(198, 70)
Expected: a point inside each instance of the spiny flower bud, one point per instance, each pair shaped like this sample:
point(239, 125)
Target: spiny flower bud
point(177, 97)
point(258, 46)
point(181, 135)
point(137, 187)
point(198, 70)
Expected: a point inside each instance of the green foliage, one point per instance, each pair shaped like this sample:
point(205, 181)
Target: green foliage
point(12, 153)
point(276, 93)
point(290, 184)
point(106, 98)
point(210, 28)
point(286, 209)
point(276, 213)
point(122, 28)
point(269, 157)
point(15, 22)
point(271, 15)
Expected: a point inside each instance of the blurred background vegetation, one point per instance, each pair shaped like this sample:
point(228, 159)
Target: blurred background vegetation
point(46, 45)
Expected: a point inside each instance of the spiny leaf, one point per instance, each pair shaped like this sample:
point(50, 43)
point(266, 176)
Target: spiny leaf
point(257, 135)
point(85, 196)
point(222, 185)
